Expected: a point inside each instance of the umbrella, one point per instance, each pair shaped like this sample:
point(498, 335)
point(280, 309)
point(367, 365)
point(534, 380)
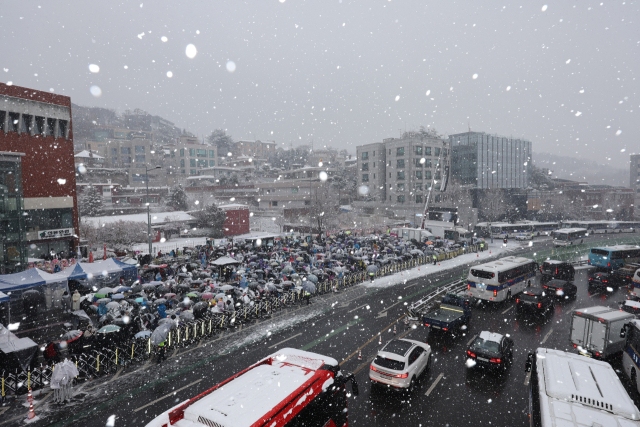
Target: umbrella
point(226, 287)
point(71, 336)
point(187, 315)
point(299, 258)
point(143, 334)
point(207, 295)
point(160, 301)
point(136, 288)
point(108, 329)
point(105, 291)
point(253, 285)
point(117, 296)
point(192, 295)
point(168, 321)
point(161, 333)
point(312, 278)
point(103, 300)
point(169, 295)
point(148, 286)
point(372, 268)
point(122, 289)
point(271, 287)
point(308, 287)
point(113, 305)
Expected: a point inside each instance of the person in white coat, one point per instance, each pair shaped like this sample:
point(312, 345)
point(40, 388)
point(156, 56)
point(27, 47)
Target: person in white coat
point(75, 299)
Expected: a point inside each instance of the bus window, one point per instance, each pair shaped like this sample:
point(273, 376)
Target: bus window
point(483, 274)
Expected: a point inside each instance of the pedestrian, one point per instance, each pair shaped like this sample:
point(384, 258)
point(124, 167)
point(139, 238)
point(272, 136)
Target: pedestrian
point(161, 352)
point(307, 296)
point(76, 300)
point(435, 259)
point(66, 301)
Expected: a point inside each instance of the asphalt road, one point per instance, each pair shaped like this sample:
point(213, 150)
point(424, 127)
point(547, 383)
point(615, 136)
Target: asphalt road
point(340, 325)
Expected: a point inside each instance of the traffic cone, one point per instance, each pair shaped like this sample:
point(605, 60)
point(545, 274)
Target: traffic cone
point(32, 413)
point(379, 339)
point(359, 354)
point(29, 396)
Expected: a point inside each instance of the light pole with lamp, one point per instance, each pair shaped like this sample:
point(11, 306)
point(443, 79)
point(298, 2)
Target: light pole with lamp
point(148, 207)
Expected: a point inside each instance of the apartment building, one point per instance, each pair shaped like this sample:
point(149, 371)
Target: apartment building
point(634, 179)
point(257, 148)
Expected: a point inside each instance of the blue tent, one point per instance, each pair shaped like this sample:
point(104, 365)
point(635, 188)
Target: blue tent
point(23, 280)
point(75, 272)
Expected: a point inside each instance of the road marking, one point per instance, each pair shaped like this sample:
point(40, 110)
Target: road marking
point(547, 336)
point(365, 364)
point(570, 309)
point(372, 338)
point(168, 395)
point(411, 286)
point(505, 312)
point(527, 377)
point(381, 314)
point(364, 305)
point(290, 338)
point(329, 335)
point(471, 340)
point(435, 383)
point(387, 309)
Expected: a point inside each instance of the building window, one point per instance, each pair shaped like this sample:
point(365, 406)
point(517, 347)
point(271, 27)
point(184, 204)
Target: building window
point(192, 171)
point(294, 189)
point(418, 186)
point(275, 203)
point(427, 163)
point(202, 163)
point(181, 163)
point(401, 198)
point(389, 154)
point(40, 125)
point(183, 171)
point(51, 126)
point(374, 165)
point(212, 163)
point(374, 154)
point(400, 151)
point(62, 128)
point(192, 163)
point(192, 152)
point(139, 149)
point(126, 159)
point(201, 153)
point(419, 198)
point(365, 177)
point(427, 151)
point(211, 154)
point(374, 176)
point(365, 166)
point(418, 174)
point(427, 174)
point(3, 115)
point(125, 150)
point(365, 155)
point(400, 163)
point(400, 174)
point(114, 152)
point(418, 164)
point(140, 158)
point(26, 123)
point(14, 121)
point(418, 151)
point(182, 152)
point(400, 187)
point(437, 153)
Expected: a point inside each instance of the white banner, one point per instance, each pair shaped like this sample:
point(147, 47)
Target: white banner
point(54, 234)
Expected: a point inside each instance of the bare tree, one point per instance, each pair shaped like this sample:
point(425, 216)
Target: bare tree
point(494, 204)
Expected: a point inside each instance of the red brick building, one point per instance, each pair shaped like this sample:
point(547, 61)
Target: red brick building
point(38, 124)
point(237, 219)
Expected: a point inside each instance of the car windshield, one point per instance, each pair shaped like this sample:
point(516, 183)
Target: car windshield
point(394, 365)
point(485, 345)
point(398, 347)
point(529, 297)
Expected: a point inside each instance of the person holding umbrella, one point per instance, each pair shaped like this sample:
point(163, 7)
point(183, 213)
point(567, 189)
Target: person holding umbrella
point(161, 352)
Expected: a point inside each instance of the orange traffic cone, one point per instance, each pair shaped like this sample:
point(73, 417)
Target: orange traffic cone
point(29, 396)
point(359, 354)
point(32, 413)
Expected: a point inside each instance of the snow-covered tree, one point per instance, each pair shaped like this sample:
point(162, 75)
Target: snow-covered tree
point(121, 235)
point(223, 141)
point(89, 202)
point(210, 217)
point(178, 199)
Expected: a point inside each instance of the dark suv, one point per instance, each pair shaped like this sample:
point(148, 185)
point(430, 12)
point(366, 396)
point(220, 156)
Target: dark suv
point(553, 269)
point(602, 279)
point(561, 289)
point(535, 300)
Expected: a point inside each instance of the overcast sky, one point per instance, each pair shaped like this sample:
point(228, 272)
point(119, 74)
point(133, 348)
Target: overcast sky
point(345, 73)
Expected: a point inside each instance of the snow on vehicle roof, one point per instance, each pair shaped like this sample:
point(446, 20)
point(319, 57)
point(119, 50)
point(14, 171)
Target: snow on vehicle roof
point(576, 384)
point(490, 336)
point(400, 347)
point(569, 230)
point(502, 264)
point(631, 303)
point(247, 398)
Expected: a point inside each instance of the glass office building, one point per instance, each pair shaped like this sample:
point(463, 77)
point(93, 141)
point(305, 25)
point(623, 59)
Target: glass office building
point(490, 161)
point(13, 253)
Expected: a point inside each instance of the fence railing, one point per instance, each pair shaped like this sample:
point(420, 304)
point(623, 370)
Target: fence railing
point(107, 360)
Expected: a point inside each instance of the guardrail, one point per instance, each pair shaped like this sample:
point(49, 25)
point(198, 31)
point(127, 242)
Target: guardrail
point(105, 361)
point(427, 302)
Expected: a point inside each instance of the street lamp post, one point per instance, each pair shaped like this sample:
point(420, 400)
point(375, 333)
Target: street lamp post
point(148, 207)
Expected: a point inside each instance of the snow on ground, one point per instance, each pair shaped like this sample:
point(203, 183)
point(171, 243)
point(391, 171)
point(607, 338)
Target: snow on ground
point(263, 223)
point(427, 269)
point(156, 218)
point(170, 244)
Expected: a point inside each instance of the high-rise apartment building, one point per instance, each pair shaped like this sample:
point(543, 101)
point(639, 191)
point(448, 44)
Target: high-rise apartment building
point(634, 179)
point(490, 161)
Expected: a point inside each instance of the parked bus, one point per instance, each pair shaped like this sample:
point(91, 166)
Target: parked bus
point(502, 230)
point(613, 257)
point(459, 235)
point(569, 236)
point(542, 228)
point(625, 226)
point(594, 227)
point(288, 388)
point(499, 280)
point(567, 389)
point(635, 283)
point(482, 229)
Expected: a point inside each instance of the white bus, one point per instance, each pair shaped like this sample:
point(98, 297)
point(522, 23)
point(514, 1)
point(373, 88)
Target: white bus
point(482, 229)
point(631, 352)
point(594, 227)
point(499, 280)
point(543, 228)
point(570, 390)
point(569, 236)
point(502, 230)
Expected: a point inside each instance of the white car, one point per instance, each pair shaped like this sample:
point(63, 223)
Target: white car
point(400, 363)
point(524, 236)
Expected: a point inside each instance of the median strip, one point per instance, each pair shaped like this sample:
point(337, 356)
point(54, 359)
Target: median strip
point(329, 335)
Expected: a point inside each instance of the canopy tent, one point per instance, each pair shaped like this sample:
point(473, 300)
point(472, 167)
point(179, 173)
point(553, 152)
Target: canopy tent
point(23, 280)
point(129, 271)
point(15, 352)
point(4, 297)
point(74, 272)
point(225, 260)
point(108, 273)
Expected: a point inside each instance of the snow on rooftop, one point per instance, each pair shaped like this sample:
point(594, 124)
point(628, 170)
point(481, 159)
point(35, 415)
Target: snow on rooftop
point(156, 218)
point(88, 155)
point(491, 336)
